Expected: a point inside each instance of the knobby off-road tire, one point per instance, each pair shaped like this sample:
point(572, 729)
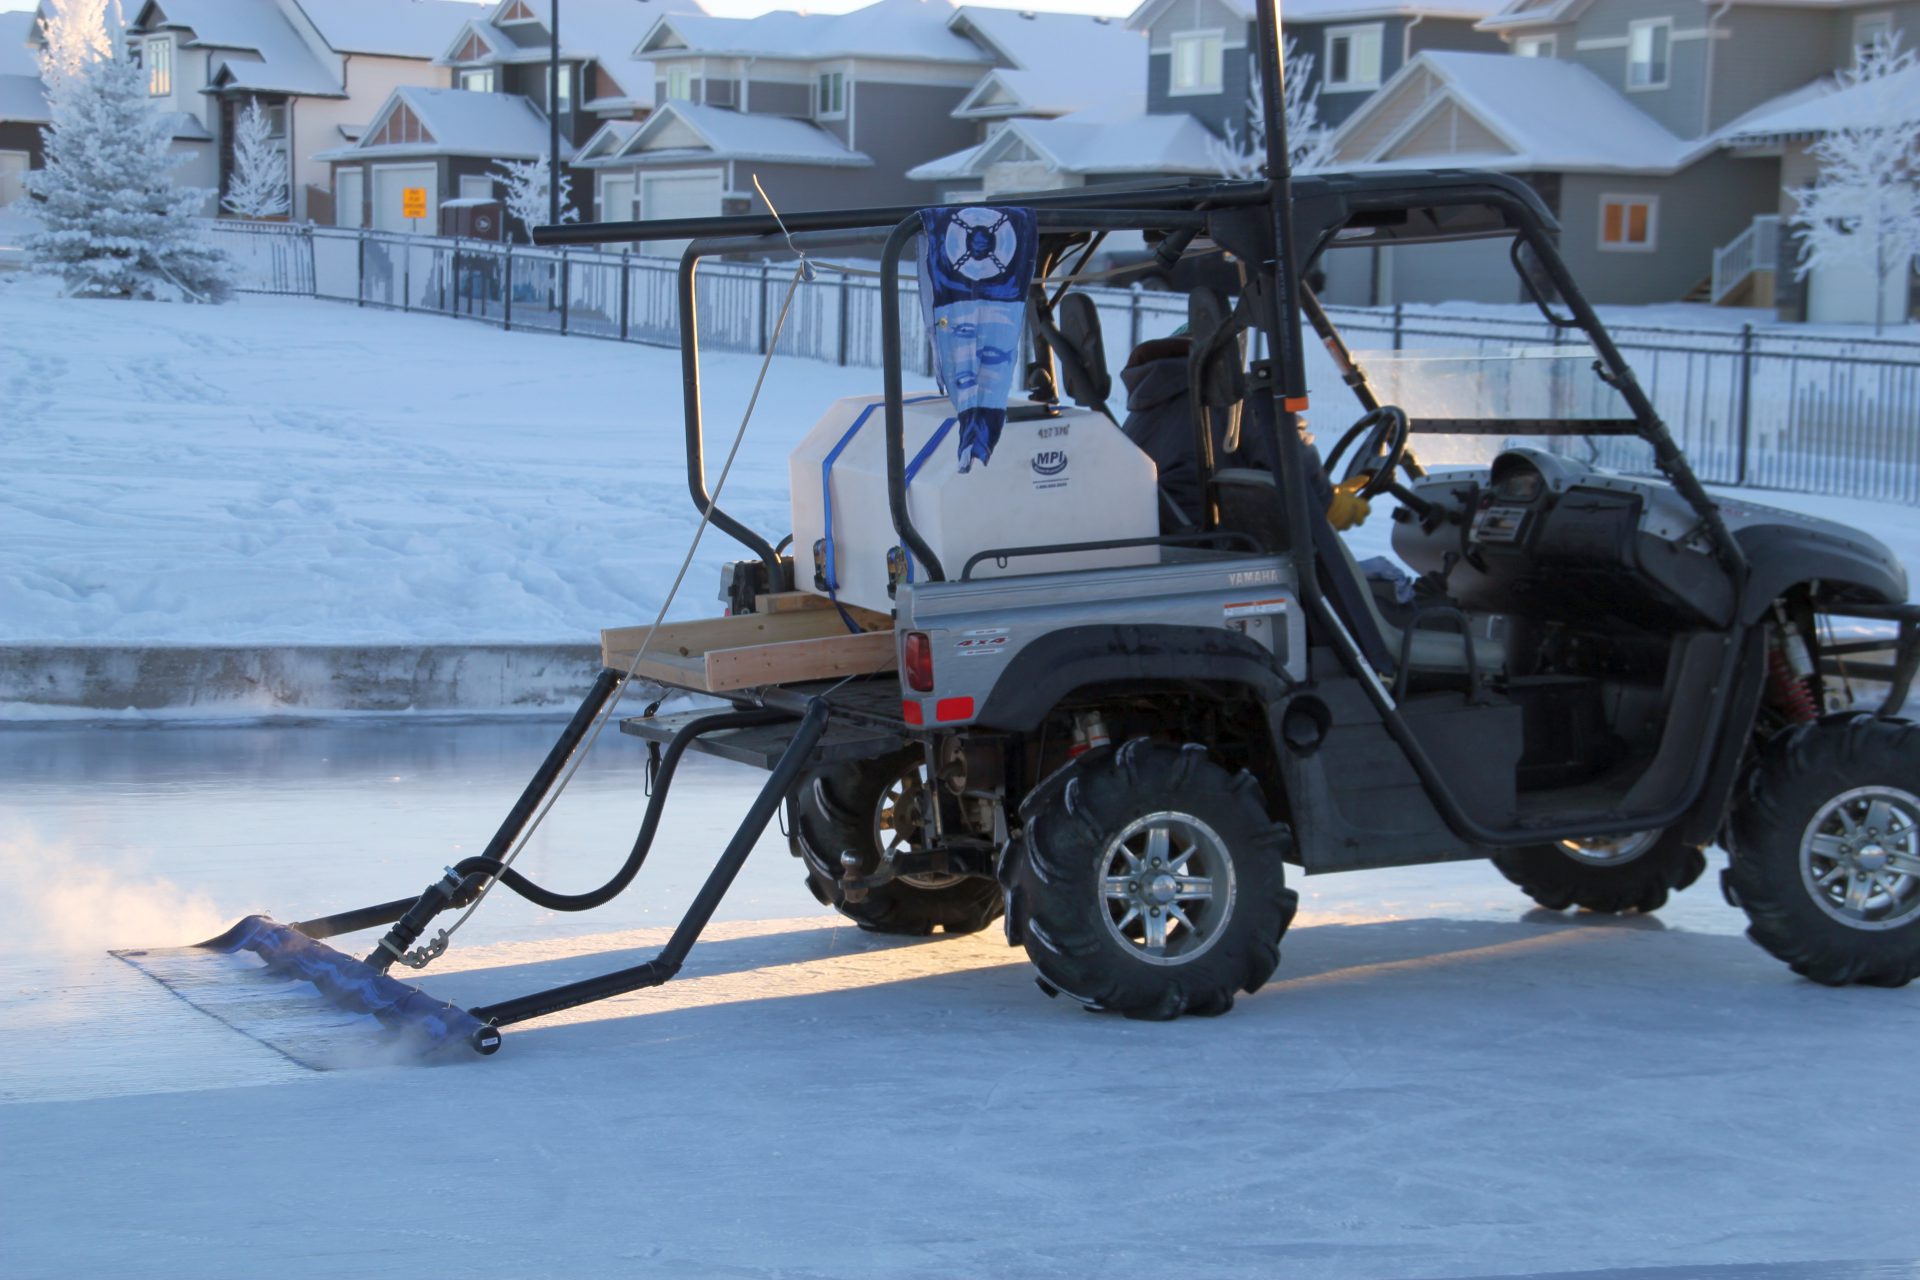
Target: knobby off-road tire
point(1632, 873)
point(1083, 876)
point(1825, 843)
point(857, 806)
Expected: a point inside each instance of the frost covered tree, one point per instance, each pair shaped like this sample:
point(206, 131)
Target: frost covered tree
point(1864, 208)
point(1243, 154)
point(526, 197)
point(258, 187)
point(112, 222)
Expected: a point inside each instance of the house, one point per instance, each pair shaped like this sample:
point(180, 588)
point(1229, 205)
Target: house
point(496, 106)
point(824, 110)
point(1062, 104)
point(1618, 115)
point(1200, 63)
point(23, 105)
point(320, 69)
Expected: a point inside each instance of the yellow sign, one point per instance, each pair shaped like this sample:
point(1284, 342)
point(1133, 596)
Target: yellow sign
point(413, 202)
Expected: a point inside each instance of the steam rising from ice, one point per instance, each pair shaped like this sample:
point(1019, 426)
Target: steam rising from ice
point(54, 900)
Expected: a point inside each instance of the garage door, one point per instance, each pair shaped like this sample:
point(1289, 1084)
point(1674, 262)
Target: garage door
point(388, 183)
point(678, 195)
point(13, 173)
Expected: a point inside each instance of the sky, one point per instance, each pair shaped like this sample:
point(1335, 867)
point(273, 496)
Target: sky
point(748, 8)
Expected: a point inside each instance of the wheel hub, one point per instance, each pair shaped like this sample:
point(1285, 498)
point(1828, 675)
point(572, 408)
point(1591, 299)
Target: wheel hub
point(1167, 886)
point(1860, 857)
point(898, 828)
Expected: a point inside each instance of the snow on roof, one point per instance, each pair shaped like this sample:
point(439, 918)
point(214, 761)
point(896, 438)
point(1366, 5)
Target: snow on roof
point(1534, 13)
point(911, 30)
point(18, 56)
point(1040, 93)
point(1087, 143)
point(1822, 107)
point(682, 129)
point(1333, 10)
point(392, 28)
point(275, 58)
point(1052, 63)
point(184, 126)
point(1588, 126)
point(458, 122)
point(23, 100)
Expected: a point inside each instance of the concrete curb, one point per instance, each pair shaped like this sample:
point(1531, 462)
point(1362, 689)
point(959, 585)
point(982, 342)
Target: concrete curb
point(68, 681)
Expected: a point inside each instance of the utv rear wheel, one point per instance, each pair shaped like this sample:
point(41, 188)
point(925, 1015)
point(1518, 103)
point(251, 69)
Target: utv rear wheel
point(872, 808)
point(1149, 880)
point(1826, 851)
point(1611, 874)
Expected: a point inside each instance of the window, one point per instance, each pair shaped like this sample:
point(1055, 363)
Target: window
point(1647, 47)
point(276, 115)
point(158, 58)
point(1629, 224)
point(563, 100)
point(1534, 47)
point(1869, 29)
point(477, 81)
point(831, 100)
point(680, 83)
point(1198, 57)
point(1353, 57)
point(476, 186)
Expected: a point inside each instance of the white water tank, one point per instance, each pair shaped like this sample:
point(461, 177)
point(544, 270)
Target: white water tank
point(1069, 477)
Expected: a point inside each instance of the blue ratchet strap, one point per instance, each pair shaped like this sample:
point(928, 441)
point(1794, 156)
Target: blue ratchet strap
point(913, 469)
point(826, 494)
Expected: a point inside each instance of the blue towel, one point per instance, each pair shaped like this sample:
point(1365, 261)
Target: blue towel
point(976, 264)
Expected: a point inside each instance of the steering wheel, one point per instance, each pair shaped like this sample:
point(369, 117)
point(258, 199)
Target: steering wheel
point(1382, 434)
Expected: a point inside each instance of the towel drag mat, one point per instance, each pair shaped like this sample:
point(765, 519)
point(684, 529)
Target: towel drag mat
point(306, 1001)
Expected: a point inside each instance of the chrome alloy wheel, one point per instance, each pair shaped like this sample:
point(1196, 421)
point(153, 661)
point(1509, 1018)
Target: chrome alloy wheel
point(1608, 851)
point(1860, 857)
point(1167, 884)
point(897, 826)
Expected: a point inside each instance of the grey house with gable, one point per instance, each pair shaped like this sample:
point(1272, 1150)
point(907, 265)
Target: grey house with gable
point(1198, 61)
point(825, 110)
point(1644, 124)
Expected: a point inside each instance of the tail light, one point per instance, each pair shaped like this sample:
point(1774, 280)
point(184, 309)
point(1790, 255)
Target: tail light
point(919, 662)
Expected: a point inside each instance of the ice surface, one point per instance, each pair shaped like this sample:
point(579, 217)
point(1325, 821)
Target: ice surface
point(1439, 1083)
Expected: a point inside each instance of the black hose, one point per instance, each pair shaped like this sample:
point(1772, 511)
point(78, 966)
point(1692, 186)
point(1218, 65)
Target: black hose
point(649, 825)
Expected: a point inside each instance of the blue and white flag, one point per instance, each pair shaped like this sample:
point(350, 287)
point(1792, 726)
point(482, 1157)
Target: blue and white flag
point(975, 266)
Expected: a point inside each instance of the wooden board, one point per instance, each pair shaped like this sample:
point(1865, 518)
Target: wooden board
point(752, 649)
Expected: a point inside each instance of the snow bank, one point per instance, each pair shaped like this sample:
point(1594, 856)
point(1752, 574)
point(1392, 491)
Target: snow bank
point(283, 471)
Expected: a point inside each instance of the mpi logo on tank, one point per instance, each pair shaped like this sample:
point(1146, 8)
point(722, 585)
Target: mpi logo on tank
point(1049, 468)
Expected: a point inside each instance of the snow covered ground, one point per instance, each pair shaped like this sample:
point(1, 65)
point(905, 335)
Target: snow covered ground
point(295, 471)
point(1438, 1083)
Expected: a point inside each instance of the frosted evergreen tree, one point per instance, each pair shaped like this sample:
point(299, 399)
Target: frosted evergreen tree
point(1243, 153)
point(1864, 208)
point(112, 222)
point(526, 195)
point(258, 185)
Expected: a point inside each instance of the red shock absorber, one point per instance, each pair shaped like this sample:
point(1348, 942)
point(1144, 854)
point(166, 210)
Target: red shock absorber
point(1789, 693)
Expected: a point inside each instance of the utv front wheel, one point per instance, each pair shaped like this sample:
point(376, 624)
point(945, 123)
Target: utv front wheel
point(1149, 881)
point(1826, 851)
point(1610, 874)
point(872, 809)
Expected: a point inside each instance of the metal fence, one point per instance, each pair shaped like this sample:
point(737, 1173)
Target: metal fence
point(1756, 407)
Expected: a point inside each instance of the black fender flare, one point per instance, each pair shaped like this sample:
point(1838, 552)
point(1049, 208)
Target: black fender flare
point(1042, 675)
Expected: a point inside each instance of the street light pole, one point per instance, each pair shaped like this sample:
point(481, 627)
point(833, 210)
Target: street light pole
point(553, 114)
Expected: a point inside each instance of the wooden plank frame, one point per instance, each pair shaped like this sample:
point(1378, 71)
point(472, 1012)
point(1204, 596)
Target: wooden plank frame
point(788, 642)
